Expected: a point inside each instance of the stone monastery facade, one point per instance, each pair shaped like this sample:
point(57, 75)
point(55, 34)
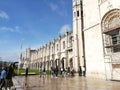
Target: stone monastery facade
point(94, 43)
point(55, 53)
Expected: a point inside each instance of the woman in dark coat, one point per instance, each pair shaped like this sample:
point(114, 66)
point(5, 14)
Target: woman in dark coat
point(9, 75)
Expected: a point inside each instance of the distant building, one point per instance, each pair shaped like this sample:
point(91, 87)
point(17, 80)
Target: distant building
point(93, 44)
point(58, 52)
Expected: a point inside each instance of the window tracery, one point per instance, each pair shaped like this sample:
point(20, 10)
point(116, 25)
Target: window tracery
point(111, 31)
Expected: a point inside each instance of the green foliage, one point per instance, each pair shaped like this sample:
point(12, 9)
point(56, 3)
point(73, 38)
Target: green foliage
point(33, 70)
point(47, 72)
point(20, 71)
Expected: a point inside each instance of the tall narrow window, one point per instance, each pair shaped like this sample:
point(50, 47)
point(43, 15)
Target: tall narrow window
point(116, 41)
point(74, 14)
point(57, 47)
point(52, 49)
point(70, 41)
point(77, 13)
point(63, 44)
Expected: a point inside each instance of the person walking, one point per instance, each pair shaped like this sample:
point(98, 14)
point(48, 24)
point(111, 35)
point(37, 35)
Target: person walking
point(9, 75)
point(52, 72)
point(72, 72)
point(26, 72)
point(40, 71)
point(61, 71)
point(3, 79)
point(26, 78)
point(56, 71)
point(84, 71)
point(44, 72)
point(80, 71)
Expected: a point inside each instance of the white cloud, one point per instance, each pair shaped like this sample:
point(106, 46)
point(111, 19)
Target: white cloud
point(59, 8)
point(4, 15)
point(53, 6)
point(14, 29)
point(64, 29)
point(62, 13)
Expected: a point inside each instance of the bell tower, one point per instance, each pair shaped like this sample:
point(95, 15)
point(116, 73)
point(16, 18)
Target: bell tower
point(78, 34)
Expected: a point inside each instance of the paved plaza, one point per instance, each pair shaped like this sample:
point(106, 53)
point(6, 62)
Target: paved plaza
point(34, 82)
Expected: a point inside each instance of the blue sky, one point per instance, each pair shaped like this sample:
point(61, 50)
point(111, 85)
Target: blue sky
point(31, 23)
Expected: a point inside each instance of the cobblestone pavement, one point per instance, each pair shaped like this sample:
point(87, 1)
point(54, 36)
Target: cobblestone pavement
point(60, 83)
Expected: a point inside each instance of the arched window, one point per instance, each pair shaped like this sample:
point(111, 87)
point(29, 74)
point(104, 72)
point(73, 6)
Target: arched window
point(111, 31)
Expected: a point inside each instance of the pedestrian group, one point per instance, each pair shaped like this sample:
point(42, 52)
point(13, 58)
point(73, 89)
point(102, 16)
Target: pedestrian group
point(6, 74)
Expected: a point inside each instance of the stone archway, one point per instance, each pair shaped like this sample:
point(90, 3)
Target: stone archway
point(111, 42)
point(55, 62)
point(63, 63)
point(40, 65)
point(47, 65)
point(51, 63)
point(44, 64)
point(111, 20)
point(71, 62)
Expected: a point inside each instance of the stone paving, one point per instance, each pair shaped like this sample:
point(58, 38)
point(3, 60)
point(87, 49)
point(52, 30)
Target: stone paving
point(34, 82)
